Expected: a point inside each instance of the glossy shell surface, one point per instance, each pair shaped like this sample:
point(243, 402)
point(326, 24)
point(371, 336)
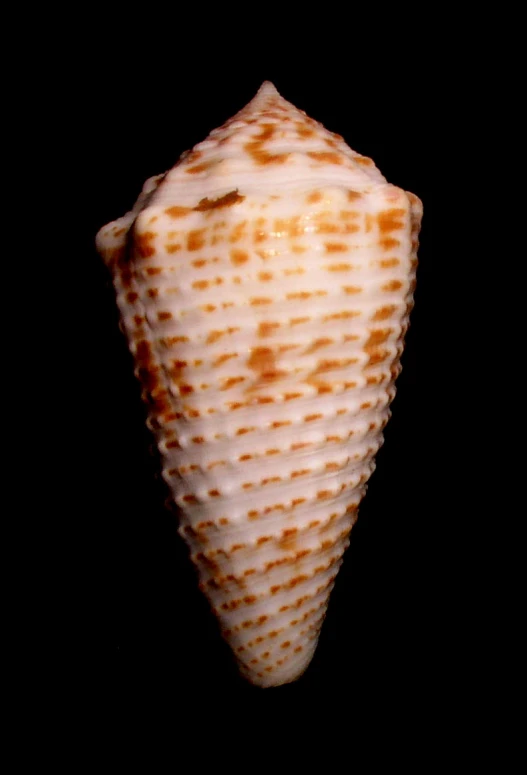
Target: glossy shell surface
point(264, 285)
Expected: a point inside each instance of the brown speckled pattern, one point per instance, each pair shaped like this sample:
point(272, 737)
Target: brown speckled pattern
point(265, 285)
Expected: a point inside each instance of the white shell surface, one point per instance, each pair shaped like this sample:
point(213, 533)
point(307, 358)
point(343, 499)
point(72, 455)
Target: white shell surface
point(265, 284)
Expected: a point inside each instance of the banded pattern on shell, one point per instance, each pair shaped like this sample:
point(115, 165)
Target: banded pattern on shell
point(265, 284)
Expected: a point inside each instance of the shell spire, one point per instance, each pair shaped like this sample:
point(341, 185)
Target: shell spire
point(264, 97)
point(265, 284)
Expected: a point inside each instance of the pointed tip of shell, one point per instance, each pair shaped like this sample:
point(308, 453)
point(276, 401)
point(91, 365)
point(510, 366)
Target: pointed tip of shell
point(265, 93)
point(267, 89)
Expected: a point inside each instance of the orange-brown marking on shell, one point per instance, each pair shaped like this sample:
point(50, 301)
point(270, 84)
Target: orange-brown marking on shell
point(299, 295)
point(231, 382)
point(387, 243)
point(177, 212)
point(303, 131)
point(329, 157)
point(315, 196)
point(384, 312)
point(238, 232)
point(298, 321)
point(318, 344)
point(390, 220)
point(239, 257)
point(333, 363)
point(325, 227)
point(344, 315)
point(393, 285)
point(312, 417)
point(369, 222)
point(351, 289)
point(227, 200)
point(292, 396)
point(297, 580)
point(243, 431)
point(200, 285)
point(372, 347)
point(255, 148)
point(291, 227)
point(321, 387)
point(335, 247)
point(185, 390)
point(339, 267)
point(148, 373)
point(265, 254)
point(168, 341)
point(270, 480)
point(224, 358)
point(263, 361)
point(389, 263)
point(348, 215)
point(195, 239)
point(288, 539)
point(176, 374)
point(194, 170)
point(143, 243)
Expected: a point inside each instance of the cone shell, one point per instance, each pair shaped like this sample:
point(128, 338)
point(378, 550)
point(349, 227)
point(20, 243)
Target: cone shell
point(265, 284)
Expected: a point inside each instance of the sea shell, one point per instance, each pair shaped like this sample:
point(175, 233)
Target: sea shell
point(264, 285)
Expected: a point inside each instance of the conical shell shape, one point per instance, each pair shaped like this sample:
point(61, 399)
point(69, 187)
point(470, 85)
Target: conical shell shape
point(265, 284)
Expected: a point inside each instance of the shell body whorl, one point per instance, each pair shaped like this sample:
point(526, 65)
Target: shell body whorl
point(265, 285)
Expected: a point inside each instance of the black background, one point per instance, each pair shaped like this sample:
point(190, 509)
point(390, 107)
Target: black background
point(390, 630)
